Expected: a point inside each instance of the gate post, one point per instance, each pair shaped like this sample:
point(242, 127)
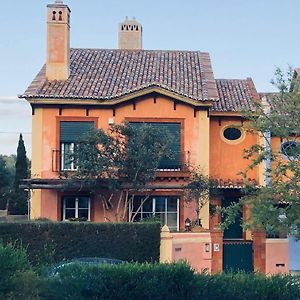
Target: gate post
point(217, 250)
point(259, 251)
point(166, 245)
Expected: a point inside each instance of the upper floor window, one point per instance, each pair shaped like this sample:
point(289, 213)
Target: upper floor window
point(232, 133)
point(290, 149)
point(173, 161)
point(70, 132)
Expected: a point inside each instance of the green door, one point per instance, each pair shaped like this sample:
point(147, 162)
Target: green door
point(235, 230)
point(237, 256)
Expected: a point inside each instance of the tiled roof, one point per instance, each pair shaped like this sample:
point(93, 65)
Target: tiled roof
point(268, 98)
point(235, 183)
point(103, 74)
point(235, 95)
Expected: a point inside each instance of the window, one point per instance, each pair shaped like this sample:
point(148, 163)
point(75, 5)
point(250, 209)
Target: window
point(76, 207)
point(70, 132)
point(174, 161)
point(291, 149)
point(67, 156)
point(166, 209)
point(232, 133)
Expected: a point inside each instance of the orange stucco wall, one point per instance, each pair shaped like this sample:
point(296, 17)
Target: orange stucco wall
point(50, 206)
point(226, 158)
point(147, 109)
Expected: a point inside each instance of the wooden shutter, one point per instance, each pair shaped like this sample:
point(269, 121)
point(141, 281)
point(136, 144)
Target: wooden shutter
point(71, 131)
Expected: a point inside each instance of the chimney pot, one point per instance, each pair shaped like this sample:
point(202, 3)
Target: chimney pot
point(130, 34)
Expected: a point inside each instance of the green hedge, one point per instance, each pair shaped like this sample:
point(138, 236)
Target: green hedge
point(247, 287)
point(135, 281)
point(128, 281)
point(48, 242)
point(165, 282)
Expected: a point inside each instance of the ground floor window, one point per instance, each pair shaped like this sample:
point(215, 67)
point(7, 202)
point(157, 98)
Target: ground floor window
point(76, 207)
point(164, 208)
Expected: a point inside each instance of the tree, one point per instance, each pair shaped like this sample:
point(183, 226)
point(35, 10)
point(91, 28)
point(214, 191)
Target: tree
point(275, 207)
point(19, 204)
point(4, 183)
point(124, 161)
point(121, 161)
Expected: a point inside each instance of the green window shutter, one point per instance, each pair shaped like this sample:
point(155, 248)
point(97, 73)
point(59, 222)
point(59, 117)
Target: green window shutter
point(173, 162)
point(71, 131)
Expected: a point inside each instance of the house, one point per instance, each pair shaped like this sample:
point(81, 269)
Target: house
point(78, 89)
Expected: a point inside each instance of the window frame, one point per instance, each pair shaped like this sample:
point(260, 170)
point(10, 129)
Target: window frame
point(166, 120)
point(76, 208)
point(284, 154)
point(63, 159)
point(154, 213)
point(233, 142)
point(60, 119)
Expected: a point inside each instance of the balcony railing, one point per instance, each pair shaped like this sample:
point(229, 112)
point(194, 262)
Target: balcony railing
point(63, 162)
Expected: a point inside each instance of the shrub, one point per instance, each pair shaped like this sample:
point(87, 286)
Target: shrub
point(48, 242)
point(246, 286)
point(127, 281)
point(17, 280)
point(26, 285)
point(13, 260)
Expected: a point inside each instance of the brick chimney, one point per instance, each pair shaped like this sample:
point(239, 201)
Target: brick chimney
point(58, 41)
point(130, 34)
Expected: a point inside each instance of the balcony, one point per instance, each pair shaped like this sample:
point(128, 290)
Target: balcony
point(62, 161)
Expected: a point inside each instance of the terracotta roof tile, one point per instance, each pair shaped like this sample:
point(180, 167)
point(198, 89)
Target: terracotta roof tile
point(235, 95)
point(235, 183)
point(103, 74)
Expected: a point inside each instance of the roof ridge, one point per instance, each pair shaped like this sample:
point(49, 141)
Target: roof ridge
point(229, 79)
point(140, 50)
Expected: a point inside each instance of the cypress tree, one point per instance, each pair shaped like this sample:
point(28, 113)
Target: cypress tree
point(19, 205)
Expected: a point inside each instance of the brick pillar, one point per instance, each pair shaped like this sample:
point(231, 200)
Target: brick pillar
point(259, 251)
point(166, 245)
point(217, 256)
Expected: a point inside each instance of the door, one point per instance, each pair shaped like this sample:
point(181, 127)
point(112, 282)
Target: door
point(235, 230)
point(237, 256)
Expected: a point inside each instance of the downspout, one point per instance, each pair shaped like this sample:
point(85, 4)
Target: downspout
point(267, 134)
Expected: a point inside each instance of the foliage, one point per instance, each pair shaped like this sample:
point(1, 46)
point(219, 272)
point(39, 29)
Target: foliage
point(200, 189)
point(238, 286)
point(49, 242)
point(128, 281)
point(125, 160)
point(17, 279)
point(5, 183)
point(122, 160)
point(276, 206)
point(18, 205)
point(128, 153)
point(13, 261)
point(135, 281)
point(166, 281)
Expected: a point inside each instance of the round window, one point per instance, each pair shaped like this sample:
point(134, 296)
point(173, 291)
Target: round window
point(290, 148)
point(232, 133)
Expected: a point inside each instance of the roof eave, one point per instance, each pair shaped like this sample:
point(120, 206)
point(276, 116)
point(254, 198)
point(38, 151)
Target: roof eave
point(117, 100)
